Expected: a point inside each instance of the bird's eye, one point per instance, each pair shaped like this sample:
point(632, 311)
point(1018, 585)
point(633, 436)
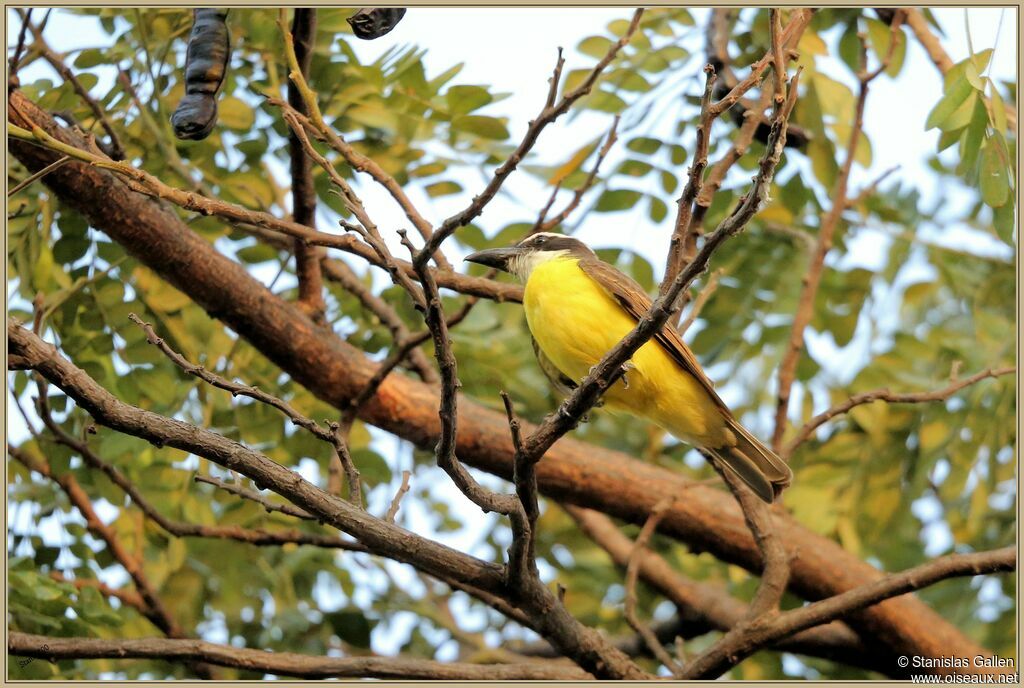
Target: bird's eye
point(540, 240)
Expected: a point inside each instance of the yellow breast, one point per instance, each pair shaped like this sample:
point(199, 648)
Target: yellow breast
point(576, 322)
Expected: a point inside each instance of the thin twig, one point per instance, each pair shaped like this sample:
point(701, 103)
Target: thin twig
point(815, 268)
point(546, 225)
point(883, 394)
point(115, 148)
point(396, 501)
point(548, 115)
point(254, 496)
point(633, 572)
point(328, 435)
point(38, 175)
point(702, 298)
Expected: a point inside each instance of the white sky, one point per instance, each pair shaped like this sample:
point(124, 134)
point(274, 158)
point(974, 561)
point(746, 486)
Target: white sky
point(513, 50)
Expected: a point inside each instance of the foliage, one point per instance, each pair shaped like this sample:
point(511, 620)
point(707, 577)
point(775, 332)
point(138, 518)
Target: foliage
point(895, 484)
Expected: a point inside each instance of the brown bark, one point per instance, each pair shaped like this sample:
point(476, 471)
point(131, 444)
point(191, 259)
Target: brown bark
point(572, 471)
point(283, 663)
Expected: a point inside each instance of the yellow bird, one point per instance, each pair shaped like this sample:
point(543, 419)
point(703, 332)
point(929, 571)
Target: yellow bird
point(579, 307)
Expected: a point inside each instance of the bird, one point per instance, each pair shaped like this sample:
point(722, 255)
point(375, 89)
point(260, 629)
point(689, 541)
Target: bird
point(578, 308)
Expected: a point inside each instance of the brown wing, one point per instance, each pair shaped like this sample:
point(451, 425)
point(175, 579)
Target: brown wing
point(635, 300)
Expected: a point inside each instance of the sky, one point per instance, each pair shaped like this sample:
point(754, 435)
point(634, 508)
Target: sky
point(514, 50)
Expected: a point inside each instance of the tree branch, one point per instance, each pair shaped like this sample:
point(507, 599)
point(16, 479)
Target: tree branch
point(703, 607)
point(549, 114)
point(379, 537)
point(815, 269)
point(572, 471)
point(115, 149)
point(632, 573)
point(307, 258)
point(768, 629)
point(329, 435)
point(291, 664)
point(883, 394)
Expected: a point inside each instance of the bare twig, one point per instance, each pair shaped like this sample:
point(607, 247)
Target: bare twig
point(549, 114)
point(116, 148)
point(815, 269)
point(632, 573)
point(128, 597)
point(396, 501)
point(702, 298)
point(254, 496)
point(329, 435)
point(38, 175)
point(543, 224)
point(883, 394)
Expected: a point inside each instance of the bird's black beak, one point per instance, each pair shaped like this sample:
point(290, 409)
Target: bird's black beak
point(495, 257)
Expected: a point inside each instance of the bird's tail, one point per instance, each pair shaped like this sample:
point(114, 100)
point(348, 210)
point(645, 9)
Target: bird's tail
point(753, 463)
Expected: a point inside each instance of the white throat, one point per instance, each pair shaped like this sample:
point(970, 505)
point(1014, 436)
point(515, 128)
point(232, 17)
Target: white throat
point(521, 266)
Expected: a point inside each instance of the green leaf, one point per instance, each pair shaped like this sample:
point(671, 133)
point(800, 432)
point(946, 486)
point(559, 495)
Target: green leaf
point(1002, 221)
point(445, 188)
point(595, 46)
point(484, 127)
point(464, 99)
point(992, 177)
point(617, 199)
point(573, 163)
point(235, 114)
point(973, 137)
point(956, 95)
point(644, 144)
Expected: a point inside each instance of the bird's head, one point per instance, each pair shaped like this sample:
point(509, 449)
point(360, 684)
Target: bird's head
point(521, 259)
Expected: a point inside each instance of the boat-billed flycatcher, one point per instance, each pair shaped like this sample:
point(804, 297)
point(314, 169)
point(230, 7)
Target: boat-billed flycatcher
point(579, 307)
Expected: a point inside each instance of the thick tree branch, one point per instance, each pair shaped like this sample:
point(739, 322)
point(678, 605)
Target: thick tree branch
point(291, 664)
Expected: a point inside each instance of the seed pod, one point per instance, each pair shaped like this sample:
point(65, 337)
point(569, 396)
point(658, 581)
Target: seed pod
point(206, 64)
point(373, 22)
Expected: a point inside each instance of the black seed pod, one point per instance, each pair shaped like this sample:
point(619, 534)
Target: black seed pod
point(206, 64)
point(373, 22)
